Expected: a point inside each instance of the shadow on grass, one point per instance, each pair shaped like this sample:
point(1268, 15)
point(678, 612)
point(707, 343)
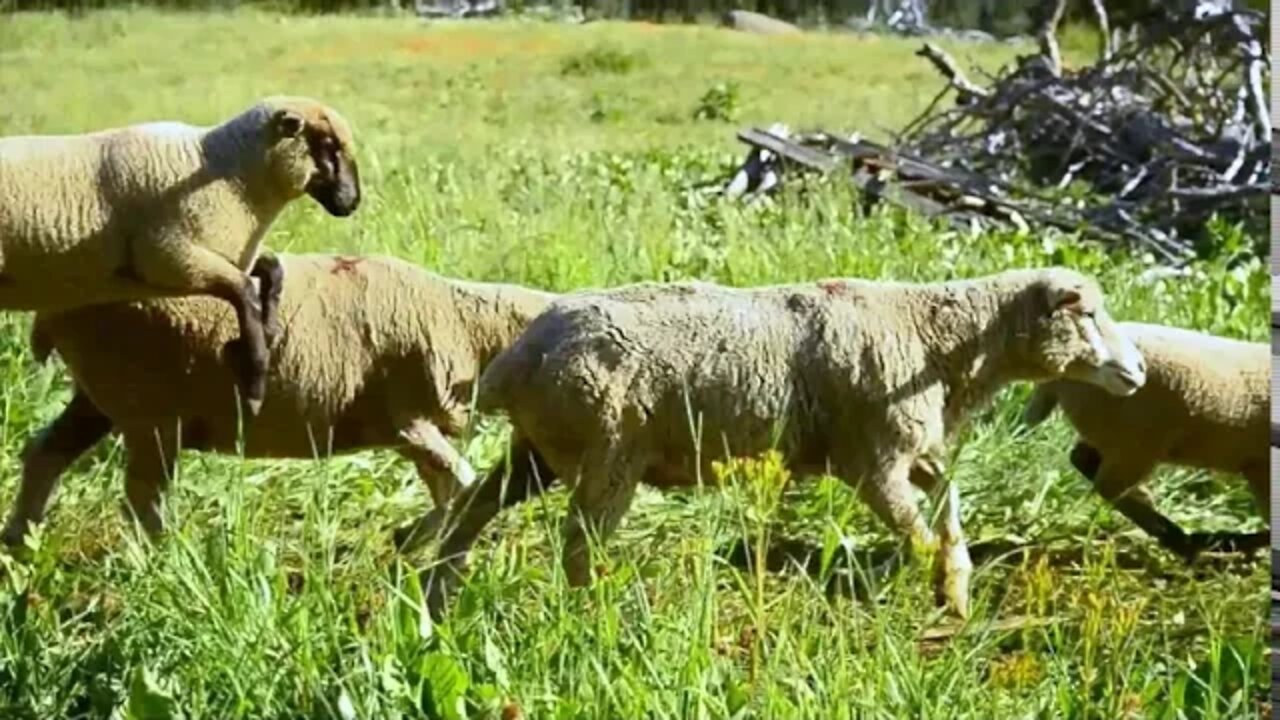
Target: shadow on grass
point(849, 568)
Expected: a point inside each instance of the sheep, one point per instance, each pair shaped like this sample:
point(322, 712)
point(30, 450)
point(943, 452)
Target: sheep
point(1206, 404)
point(860, 378)
point(166, 209)
point(373, 352)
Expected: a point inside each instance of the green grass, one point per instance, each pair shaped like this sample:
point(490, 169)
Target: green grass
point(564, 157)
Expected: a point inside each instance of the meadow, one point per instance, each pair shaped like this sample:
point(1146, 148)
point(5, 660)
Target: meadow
point(565, 157)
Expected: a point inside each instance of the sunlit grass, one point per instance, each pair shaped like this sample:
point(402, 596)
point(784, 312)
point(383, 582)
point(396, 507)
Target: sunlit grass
point(277, 593)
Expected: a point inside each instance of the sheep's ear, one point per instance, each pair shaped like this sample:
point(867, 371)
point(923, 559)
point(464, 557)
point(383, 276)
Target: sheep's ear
point(288, 124)
point(1064, 298)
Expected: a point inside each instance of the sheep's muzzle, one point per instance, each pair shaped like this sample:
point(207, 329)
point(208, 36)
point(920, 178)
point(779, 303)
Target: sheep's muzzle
point(339, 192)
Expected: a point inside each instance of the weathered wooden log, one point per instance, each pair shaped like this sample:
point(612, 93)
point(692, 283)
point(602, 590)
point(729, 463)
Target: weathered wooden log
point(956, 78)
point(785, 148)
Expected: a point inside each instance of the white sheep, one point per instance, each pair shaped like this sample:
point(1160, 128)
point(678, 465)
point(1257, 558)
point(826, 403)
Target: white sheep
point(166, 209)
point(1206, 404)
point(372, 352)
point(863, 379)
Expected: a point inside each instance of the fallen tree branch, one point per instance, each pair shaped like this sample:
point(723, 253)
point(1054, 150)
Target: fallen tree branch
point(1169, 124)
point(955, 76)
point(1140, 149)
point(1046, 35)
point(1104, 28)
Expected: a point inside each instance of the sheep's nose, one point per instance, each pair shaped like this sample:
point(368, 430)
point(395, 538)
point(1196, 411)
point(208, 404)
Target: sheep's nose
point(1137, 375)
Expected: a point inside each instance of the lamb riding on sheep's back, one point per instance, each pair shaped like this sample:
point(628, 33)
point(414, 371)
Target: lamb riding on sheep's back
point(862, 379)
point(372, 352)
point(166, 209)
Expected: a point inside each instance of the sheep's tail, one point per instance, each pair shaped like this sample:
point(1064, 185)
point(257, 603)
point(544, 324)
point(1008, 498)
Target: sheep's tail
point(1040, 406)
point(41, 342)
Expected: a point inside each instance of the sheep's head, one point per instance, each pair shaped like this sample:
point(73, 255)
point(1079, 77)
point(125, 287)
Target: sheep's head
point(311, 150)
point(1074, 337)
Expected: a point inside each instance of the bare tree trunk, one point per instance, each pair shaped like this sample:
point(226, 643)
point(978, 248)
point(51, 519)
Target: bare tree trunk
point(1252, 89)
point(1104, 27)
point(1048, 31)
point(986, 17)
point(871, 10)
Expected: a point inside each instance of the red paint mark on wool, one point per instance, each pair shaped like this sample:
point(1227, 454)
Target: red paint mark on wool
point(346, 263)
point(834, 287)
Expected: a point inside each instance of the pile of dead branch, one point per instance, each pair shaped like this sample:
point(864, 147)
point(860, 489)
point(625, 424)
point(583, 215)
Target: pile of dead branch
point(1168, 128)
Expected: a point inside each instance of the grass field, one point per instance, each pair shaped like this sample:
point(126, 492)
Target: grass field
point(563, 157)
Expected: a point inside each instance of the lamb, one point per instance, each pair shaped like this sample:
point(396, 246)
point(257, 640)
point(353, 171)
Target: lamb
point(859, 378)
point(373, 352)
point(166, 209)
point(1206, 404)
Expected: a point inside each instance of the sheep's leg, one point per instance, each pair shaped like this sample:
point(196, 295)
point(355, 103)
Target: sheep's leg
point(1119, 483)
point(1228, 542)
point(147, 474)
point(1086, 460)
point(47, 455)
point(602, 496)
point(250, 349)
point(201, 271)
point(527, 476)
point(1139, 506)
point(1039, 406)
point(1259, 477)
point(888, 492)
point(444, 471)
point(270, 273)
point(952, 567)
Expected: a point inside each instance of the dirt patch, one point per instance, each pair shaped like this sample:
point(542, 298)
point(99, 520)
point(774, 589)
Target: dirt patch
point(476, 45)
point(455, 44)
point(452, 44)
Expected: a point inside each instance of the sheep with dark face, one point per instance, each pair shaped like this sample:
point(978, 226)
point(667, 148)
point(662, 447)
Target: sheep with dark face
point(166, 209)
point(862, 379)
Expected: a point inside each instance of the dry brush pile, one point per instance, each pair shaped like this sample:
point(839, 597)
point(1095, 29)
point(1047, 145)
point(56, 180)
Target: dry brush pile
point(1142, 147)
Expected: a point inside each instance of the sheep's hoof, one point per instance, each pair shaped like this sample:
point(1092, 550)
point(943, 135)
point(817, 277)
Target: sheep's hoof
point(438, 585)
point(18, 551)
point(147, 520)
point(437, 603)
point(404, 538)
point(952, 571)
point(254, 406)
point(1187, 553)
point(954, 599)
point(1225, 542)
point(13, 538)
point(411, 536)
point(251, 376)
point(271, 333)
point(256, 383)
